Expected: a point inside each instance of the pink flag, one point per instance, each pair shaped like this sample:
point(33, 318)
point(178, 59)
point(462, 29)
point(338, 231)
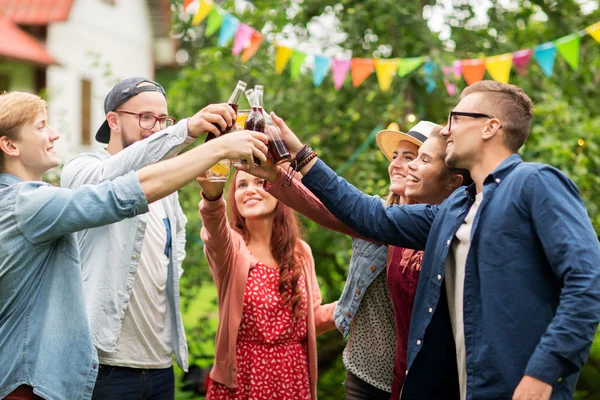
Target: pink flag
point(457, 68)
point(521, 60)
point(450, 87)
point(340, 69)
point(242, 38)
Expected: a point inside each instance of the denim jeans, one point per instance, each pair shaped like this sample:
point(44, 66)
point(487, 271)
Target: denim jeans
point(121, 383)
point(357, 389)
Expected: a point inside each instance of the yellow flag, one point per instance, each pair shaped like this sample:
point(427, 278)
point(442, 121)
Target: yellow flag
point(204, 9)
point(594, 31)
point(282, 56)
point(385, 70)
point(499, 67)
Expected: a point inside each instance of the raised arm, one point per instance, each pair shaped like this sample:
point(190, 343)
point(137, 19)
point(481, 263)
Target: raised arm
point(571, 246)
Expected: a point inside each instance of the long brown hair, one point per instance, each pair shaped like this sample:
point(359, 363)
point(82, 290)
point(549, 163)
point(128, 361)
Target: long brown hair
point(286, 247)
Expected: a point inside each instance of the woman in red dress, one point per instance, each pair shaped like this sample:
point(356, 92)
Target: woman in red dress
point(269, 300)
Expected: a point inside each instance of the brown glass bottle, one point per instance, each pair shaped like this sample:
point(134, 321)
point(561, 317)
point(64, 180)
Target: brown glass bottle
point(234, 101)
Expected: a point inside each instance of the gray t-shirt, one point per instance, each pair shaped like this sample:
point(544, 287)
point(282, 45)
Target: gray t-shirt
point(145, 338)
point(455, 284)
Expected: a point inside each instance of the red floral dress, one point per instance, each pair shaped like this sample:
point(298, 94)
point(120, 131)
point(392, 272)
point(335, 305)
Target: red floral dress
point(272, 354)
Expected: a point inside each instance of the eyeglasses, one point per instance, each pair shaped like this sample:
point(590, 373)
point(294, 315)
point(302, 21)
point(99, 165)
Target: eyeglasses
point(147, 121)
point(454, 114)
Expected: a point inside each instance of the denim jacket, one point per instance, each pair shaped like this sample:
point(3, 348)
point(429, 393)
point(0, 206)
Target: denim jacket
point(368, 261)
point(532, 283)
point(45, 339)
point(110, 254)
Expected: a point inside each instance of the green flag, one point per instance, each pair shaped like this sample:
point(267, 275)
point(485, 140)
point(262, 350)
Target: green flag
point(215, 19)
point(408, 65)
point(568, 47)
point(296, 63)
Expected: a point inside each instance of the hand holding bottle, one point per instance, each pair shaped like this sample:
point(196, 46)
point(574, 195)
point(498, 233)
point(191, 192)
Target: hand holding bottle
point(209, 118)
point(293, 143)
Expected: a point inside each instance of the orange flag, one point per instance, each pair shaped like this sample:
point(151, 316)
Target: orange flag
point(361, 69)
point(255, 41)
point(473, 70)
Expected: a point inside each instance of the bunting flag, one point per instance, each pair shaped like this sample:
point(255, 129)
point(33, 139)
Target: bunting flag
point(296, 64)
point(473, 70)
point(568, 47)
point(499, 67)
point(429, 80)
point(255, 41)
point(215, 19)
point(282, 56)
point(242, 38)
point(545, 54)
point(361, 69)
point(228, 29)
point(521, 60)
point(457, 68)
point(594, 31)
point(322, 64)
point(188, 9)
point(385, 70)
point(451, 75)
point(339, 69)
point(408, 65)
point(204, 9)
point(450, 87)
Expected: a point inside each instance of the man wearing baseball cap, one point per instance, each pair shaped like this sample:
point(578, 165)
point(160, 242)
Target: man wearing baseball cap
point(131, 268)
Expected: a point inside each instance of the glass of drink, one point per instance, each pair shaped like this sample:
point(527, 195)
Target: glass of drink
point(219, 172)
point(240, 121)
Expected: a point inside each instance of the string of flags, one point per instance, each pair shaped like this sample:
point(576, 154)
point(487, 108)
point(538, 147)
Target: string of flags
point(247, 41)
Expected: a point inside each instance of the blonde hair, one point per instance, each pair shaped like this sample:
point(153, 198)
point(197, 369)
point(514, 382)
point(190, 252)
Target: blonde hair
point(16, 110)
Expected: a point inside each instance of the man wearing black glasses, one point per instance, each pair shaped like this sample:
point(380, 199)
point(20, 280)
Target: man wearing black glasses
point(508, 299)
point(131, 269)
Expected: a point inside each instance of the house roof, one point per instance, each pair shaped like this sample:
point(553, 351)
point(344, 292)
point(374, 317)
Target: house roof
point(35, 12)
point(19, 45)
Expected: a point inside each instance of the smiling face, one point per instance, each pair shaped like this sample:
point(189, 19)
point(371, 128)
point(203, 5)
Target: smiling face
point(428, 180)
point(251, 199)
point(404, 153)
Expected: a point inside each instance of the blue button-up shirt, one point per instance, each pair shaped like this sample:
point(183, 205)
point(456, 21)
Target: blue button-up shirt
point(532, 281)
point(45, 339)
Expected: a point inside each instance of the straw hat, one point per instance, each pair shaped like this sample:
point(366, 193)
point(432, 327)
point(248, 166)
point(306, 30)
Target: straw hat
point(388, 139)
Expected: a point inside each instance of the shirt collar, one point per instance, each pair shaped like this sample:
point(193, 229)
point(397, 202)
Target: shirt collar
point(9, 179)
point(496, 175)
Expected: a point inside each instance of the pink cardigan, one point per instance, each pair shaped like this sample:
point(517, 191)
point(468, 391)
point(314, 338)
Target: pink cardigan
point(230, 262)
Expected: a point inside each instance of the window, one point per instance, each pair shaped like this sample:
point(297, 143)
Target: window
point(86, 112)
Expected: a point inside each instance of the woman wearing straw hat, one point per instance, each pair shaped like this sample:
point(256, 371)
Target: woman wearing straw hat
point(375, 330)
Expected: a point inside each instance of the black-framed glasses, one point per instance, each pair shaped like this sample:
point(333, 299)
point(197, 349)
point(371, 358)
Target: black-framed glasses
point(147, 121)
point(454, 114)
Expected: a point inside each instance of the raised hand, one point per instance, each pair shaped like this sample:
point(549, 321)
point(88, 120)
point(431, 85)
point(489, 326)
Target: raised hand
point(211, 190)
point(291, 140)
point(210, 118)
point(244, 145)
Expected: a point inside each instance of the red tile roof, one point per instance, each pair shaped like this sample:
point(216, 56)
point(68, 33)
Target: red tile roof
point(35, 12)
point(19, 45)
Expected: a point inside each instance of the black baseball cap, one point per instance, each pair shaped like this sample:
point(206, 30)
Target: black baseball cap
point(119, 94)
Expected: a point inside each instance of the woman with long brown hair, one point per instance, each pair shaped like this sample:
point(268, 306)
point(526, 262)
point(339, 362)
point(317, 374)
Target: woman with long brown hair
point(269, 300)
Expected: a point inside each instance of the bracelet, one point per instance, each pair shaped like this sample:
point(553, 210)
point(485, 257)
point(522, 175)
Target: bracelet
point(305, 162)
point(300, 156)
point(205, 197)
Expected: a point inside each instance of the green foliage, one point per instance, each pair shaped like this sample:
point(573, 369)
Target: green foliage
point(335, 123)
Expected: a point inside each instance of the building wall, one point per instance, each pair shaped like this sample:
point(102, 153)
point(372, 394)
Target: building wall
point(21, 76)
point(102, 43)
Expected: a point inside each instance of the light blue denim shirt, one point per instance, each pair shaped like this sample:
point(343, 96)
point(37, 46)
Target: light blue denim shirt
point(367, 262)
point(44, 332)
point(110, 254)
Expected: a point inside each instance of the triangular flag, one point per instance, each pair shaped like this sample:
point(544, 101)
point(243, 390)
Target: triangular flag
point(322, 64)
point(499, 67)
point(255, 41)
point(385, 70)
point(242, 38)
point(340, 69)
point(204, 9)
point(361, 69)
point(296, 62)
point(429, 79)
point(568, 47)
point(188, 9)
point(282, 56)
point(457, 68)
point(215, 19)
point(594, 31)
point(408, 65)
point(228, 29)
point(521, 60)
point(545, 54)
point(473, 70)
point(450, 87)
